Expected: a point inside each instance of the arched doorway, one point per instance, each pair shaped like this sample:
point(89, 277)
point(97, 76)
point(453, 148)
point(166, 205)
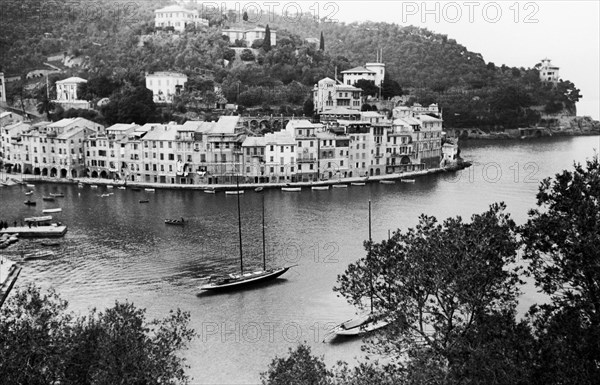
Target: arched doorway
point(94, 174)
point(27, 170)
point(53, 172)
point(86, 172)
point(405, 160)
point(73, 173)
point(103, 174)
point(44, 171)
point(63, 173)
point(36, 171)
point(377, 172)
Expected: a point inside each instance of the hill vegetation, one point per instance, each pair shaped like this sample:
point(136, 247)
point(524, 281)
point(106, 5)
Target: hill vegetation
point(119, 44)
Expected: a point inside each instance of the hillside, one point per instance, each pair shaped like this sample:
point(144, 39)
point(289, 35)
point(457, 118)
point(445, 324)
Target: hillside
point(117, 46)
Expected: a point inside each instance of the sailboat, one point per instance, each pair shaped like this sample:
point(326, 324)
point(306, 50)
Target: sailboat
point(365, 323)
point(234, 281)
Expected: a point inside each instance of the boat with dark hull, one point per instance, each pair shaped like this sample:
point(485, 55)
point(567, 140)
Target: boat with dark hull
point(241, 280)
point(177, 222)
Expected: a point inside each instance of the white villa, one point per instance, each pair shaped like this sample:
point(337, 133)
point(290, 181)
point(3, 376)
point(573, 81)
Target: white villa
point(66, 93)
point(329, 94)
point(165, 85)
point(177, 17)
point(249, 35)
point(548, 73)
point(371, 71)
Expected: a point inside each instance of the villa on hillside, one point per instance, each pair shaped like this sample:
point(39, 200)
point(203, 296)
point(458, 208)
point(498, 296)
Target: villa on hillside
point(165, 85)
point(66, 93)
point(249, 35)
point(329, 94)
point(177, 17)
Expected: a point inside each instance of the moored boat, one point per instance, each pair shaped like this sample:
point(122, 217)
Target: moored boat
point(48, 199)
point(320, 188)
point(179, 222)
point(30, 203)
point(38, 255)
point(30, 185)
point(387, 182)
point(144, 201)
point(55, 210)
point(209, 191)
point(407, 180)
point(235, 192)
point(122, 187)
point(109, 186)
point(29, 192)
point(57, 195)
point(149, 190)
point(291, 189)
point(357, 183)
point(93, 186)
point(340, 185)
point(50, 243)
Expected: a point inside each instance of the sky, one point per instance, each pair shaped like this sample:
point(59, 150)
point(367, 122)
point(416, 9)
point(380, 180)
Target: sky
point(515, 33)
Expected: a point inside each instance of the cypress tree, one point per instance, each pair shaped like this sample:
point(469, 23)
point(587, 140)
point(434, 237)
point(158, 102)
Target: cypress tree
point(322, 42)
point(267, 41)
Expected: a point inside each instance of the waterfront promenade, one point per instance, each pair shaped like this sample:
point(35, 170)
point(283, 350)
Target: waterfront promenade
point(242, 186)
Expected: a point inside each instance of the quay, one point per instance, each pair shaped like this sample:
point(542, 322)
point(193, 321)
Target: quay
point(36, 231)
point(9, 272)
point(243, 185)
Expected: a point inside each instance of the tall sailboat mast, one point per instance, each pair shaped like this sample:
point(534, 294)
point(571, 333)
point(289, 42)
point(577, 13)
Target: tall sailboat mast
point(369, 261)
point(237, 183)
point(263, 233)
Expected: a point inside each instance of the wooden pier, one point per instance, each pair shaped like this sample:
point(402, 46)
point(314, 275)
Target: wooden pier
point(36, 231)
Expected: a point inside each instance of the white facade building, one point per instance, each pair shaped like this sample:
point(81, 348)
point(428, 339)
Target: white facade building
point(177, 17)
point(249, 35)
point(66, 93)
point(374, 72)
point(328, 95)
point(548, 72)
point(165, 85)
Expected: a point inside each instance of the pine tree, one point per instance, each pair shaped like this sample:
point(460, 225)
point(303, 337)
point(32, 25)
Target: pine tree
point(267, 41)
point(322, 42)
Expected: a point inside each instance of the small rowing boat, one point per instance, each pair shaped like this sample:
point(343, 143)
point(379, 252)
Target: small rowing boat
point(387, 182)
point(407, 180)
point(48, 211)
point(209, 191)
point(340, 185)
point(149, 190)
point(235, 192)
point(57, 195)
point(29, 192)
point(291, 189)
point(49, 199)
point(357, 183)
point(144, 201)
point(178, 222)
point(30, 203)
point(319, 188)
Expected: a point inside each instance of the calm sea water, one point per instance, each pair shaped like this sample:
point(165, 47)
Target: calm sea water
point(117, 249)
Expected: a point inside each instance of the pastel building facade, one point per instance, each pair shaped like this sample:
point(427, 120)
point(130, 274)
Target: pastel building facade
point(66, 93)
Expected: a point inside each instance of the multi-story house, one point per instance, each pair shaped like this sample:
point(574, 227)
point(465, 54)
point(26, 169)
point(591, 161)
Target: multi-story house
point(254, 159)
point(224, 151)
point(548, 72)
point(159, 160)
point(361, 147)
point(329, 94)
point(105, 152)
point(165, 85)
point(178, 17)
point(10, 137)
point(333, 155)
point(374, 72)
point(307, 148)
point(280, 154)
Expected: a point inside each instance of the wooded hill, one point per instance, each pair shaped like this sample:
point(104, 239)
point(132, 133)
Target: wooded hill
point(118, 44)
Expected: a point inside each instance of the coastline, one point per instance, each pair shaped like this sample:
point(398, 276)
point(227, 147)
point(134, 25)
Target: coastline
point(20, 178)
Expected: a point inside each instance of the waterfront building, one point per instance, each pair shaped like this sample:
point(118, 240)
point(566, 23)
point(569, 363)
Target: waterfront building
point(249, 35)
point(307, 146)
point(57, 149)
point(66, 93)
point(10, 137)
point(361, 147)
point(333, 154)
point(159, 154)
point(280, 154)
point(178, 17)
point(224, 151)
point(329, 94)
point(254, 159)
point(548, 72)
point(165, 85)
point(105, 152)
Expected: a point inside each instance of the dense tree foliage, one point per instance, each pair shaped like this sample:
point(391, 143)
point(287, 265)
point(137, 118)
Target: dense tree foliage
point(42, 343)
point(562, 241)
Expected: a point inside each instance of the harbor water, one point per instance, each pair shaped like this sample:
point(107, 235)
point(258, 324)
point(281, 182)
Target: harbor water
point(117, 249)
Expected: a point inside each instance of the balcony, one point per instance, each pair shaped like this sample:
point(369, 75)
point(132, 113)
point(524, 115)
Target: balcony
point(303, 159)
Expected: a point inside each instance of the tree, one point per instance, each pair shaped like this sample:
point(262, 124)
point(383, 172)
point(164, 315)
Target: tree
point(267, 40)
point(299, 368)
point(322, 42)
point(390, 88)
point(437, 282)
point(368, 87)
point(41, 343)
point(562, 244)
point(245, 16)
point(130, 105)
point(309, 107)
point(247, 55)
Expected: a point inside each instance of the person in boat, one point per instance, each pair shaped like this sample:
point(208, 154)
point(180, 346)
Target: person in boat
point(182, 220)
